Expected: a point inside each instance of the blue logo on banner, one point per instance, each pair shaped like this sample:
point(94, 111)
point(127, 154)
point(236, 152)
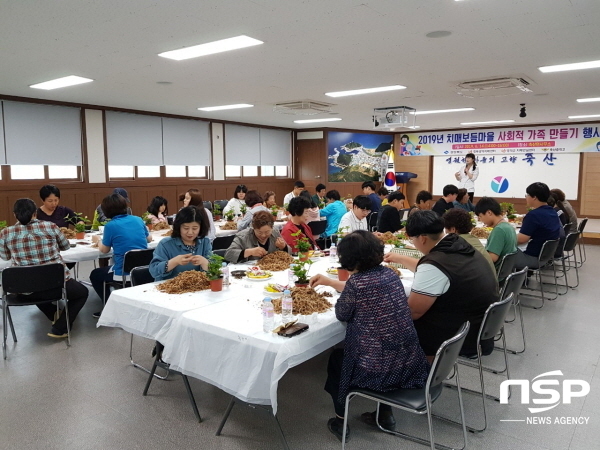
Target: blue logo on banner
point(499, 185)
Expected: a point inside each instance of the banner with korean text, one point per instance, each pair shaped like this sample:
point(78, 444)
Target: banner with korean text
point(503, 141)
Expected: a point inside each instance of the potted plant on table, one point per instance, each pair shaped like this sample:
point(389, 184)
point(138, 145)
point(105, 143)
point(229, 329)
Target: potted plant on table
point(229, 216)
point(302, 243)
point(274, 211)
point(508, 209)
point(216, 211)
point(147, 220)
point(80, 225)
point(300, 270)
point(215, 276)
point(243, 210)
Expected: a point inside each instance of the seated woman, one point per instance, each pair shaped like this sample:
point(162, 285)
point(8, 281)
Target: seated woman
point(32, 242)
point(269, 199)
point(188, 248)
point(237, 201)
point(99, 216)
point(458, 221)
point(313, 212)
point(51, 211)
point(463, 201)
point(254, 202)
point(256, 241)
point(381, 349)
point(157, 210)
point(193, 198)
point(122, 233)
point(298, 209)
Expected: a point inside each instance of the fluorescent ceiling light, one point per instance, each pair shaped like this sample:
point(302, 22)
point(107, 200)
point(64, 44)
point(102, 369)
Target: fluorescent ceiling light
point(436, 111)
point(585, 100)
point(488, 122)
point(574, 66)
point(365, 91)
point(71, 80)
point(330, 119)
point(224, 45)
point(223, 107)
point(588, 116)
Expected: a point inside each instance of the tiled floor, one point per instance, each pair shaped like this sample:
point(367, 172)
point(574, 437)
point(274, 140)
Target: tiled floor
point(90, 397)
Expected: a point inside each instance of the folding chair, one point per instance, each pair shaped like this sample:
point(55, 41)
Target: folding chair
point(491, 326)
point(581, 243)
point(512, 285)
point(132, 258)
point(141, 275)
point(208, 205)
point(17, 281)
point(372, 220)
point(506, 266)
point(222, 203)
point(419, 401)
point(545, 260)
point(222, 242)
point(317, 227)
point(567, 253)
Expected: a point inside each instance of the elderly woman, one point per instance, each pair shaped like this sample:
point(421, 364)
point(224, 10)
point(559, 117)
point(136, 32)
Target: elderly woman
point(463, 201)
point(269, 199)
point(381, 350)
point(235, 204)
point(254, 202)
point(193, 198)
point(33, 242)
point(188, 248)
point(298, 209)
point(122, 233)
point(257, 241)
point(51, 211)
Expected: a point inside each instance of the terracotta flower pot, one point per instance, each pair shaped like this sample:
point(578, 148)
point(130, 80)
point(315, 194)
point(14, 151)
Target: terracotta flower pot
point(343, 274)
point(80, 235)
point(217, 217)
point(303, 257)
point(216, 285)
point(301, 284)
point(150, 226)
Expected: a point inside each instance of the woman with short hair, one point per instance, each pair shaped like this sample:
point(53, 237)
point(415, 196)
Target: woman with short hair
point(254, 202)
point(238, 199)
point(269, 199)
point(256, 241)
point(381, 348)
point(192, 197)
point(188, 248)
point(157, 210)
point(298, 209)
point(51, 211)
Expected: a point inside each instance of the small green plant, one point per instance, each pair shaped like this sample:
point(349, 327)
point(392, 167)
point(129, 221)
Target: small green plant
point(507, 208)
point(511, 217)
point(80, 221)
point(342, 232)
point(146, 218)
point(301, 242)
point(216, 210)
point(285, 206)
point(104, 223)
point(243, 209)
point(274, 210)
point(301, 269)
point(215, 262)
point(473, 220)
point(321, 205)
point(229, 215)
point(3, 224)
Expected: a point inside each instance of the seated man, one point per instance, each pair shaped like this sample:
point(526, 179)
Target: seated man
point(423, 203)
point(298, 187)
point(452, 284)
point(368, 188)
point(333, 211)
point(33, 242)
point(382, 192)
point(389, 216)
point(445, 203)
point(503, 239)
point(541, 224)
point(458, 221)
point(356, 218)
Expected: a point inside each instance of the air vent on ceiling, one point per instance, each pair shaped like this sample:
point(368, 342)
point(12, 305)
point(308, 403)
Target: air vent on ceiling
point(494, 87)
point(303, 108)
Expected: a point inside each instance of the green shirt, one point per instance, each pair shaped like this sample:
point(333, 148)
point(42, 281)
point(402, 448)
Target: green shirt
point(477, 245)
point(502, 241)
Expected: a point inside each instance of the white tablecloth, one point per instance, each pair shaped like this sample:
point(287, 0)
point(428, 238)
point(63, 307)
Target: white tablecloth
point(218, 337)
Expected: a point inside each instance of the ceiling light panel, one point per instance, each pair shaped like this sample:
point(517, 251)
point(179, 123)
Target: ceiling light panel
point(574, 66)
point(210, 48)
point(330, 119)
point(489, 122)
point(224, 107)
point(586, 100)
point(587, 116)
point(71, 80)
point(365, 91)
point(439, 111)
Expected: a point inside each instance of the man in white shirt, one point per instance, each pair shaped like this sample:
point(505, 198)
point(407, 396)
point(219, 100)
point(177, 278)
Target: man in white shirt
point(356, 218)
point(298, 187)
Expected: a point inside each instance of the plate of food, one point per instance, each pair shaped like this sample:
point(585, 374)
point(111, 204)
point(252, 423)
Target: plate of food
point(238, 274)
point(255, 273)
point(274, 290)
point(332, 272)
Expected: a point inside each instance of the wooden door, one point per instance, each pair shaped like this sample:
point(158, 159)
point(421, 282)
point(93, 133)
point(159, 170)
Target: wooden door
point(311, 163)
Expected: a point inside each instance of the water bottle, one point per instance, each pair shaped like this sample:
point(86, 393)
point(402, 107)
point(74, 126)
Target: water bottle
point(267, 314)
point(291, 277)
point(333, 252)
point(225, 272)
point(286, 307)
